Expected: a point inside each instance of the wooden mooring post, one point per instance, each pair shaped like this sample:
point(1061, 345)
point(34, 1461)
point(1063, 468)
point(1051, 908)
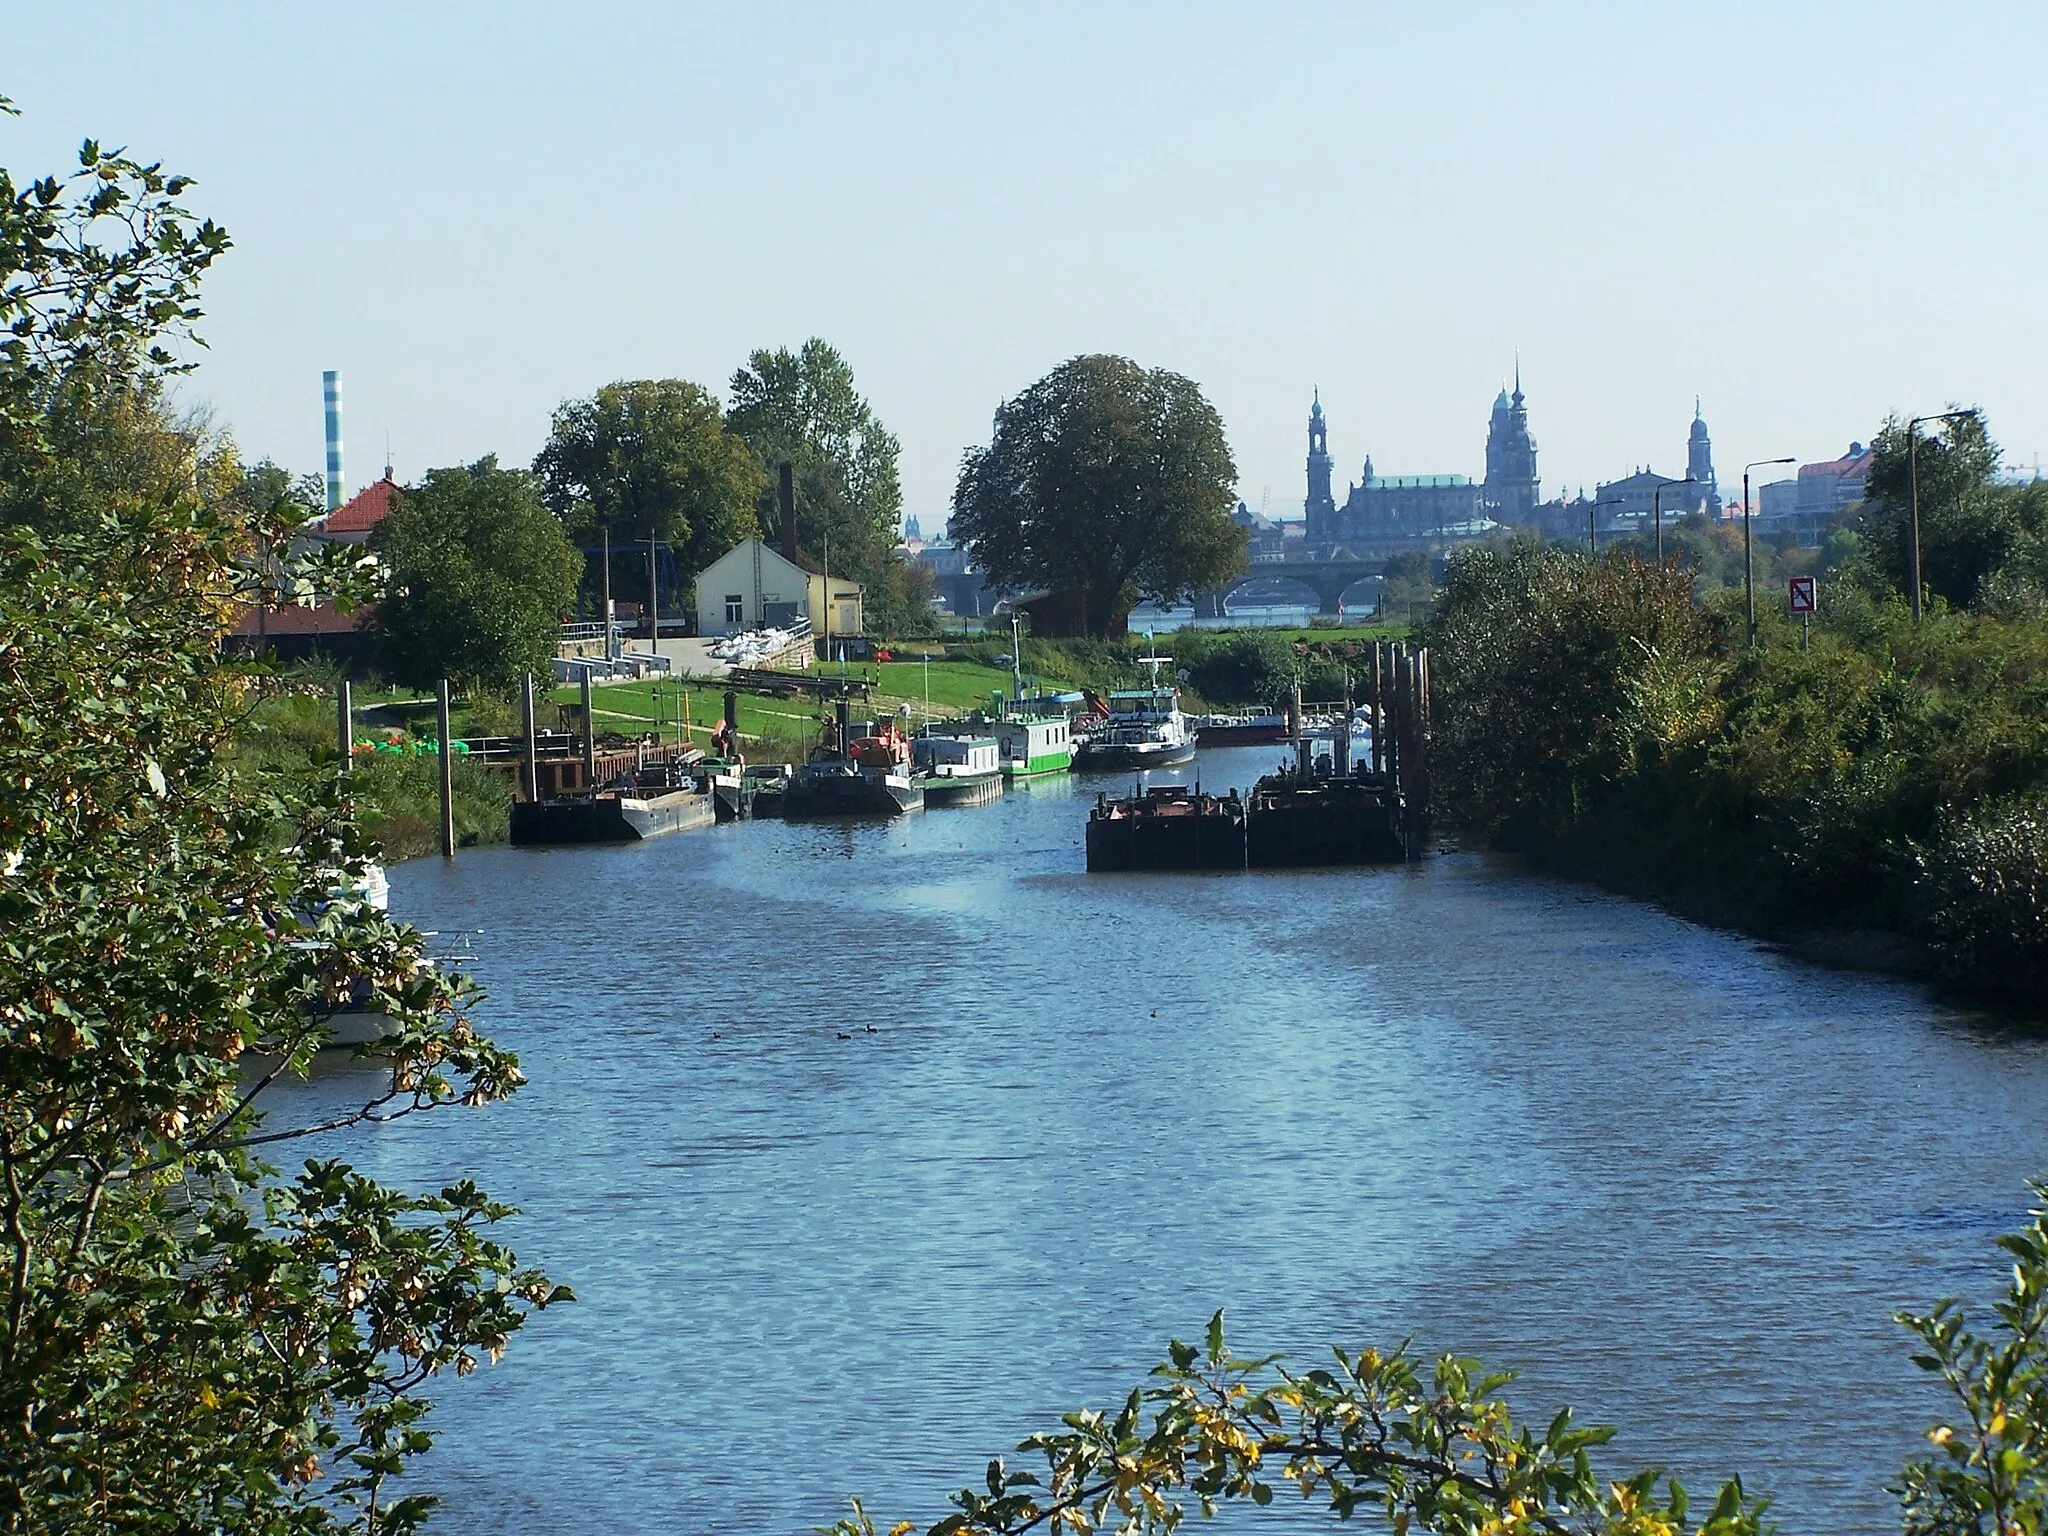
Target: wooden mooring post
point(447, 776)
point(589, 736)
point(345, 723)
point(532, 745)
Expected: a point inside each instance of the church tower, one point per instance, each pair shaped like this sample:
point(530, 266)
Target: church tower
point(1512, 489)
point(1320, 507)
point(1699, 463)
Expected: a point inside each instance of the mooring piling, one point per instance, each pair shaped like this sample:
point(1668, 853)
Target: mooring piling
point(447, 755)
point(589, 736)
point(532, 745)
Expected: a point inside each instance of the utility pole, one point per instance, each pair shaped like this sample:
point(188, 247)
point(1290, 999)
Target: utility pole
point(1748, 562)
point(1913, 484)
point(1657, 509)
point(611, 643)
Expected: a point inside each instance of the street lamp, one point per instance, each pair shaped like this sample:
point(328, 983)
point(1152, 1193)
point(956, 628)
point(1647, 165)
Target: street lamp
point(1657, 508)
point(1749, 565)
point(1594, 506)
point(1913, 480)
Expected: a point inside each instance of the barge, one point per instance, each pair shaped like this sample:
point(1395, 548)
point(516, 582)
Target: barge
point(1166, 827)
point(653, 803)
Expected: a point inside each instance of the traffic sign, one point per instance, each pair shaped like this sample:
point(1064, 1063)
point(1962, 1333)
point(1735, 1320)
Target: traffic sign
point(1804, 594)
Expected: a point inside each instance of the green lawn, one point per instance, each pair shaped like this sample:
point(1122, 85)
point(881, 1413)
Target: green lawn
point(636, 707)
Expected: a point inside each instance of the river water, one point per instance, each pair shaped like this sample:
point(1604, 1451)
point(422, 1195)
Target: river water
point(1672, 1177)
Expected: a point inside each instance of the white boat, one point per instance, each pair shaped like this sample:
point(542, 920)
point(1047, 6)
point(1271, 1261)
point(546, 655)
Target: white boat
point(958, 769)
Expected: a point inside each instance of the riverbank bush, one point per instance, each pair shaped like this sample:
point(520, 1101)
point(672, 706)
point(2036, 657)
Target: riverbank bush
point(1596, 716)
point(288, 736)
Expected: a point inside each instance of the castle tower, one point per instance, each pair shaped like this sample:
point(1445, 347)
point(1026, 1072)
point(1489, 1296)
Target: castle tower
point(1512, 489)
point(1699, 463)
point(1320, 507)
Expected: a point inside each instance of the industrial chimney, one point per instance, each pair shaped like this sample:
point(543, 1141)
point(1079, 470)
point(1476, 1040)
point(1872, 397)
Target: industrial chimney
point(330, 389)
point(786, 502)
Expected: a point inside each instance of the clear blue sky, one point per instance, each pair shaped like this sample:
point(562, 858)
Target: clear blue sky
point(1809, 215)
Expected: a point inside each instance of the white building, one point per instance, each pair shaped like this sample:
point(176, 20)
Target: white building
point(750, 586)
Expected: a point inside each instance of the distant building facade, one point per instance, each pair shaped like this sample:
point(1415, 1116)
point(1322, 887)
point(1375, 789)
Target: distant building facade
point(1381, 512)
point(1632, 502)
point(1513, 489)
point(1804, 506)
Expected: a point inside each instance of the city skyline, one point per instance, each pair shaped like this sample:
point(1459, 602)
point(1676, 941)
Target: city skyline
point(475, 214)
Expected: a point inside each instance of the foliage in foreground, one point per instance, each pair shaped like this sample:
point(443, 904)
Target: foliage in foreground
point(1439, 1449)
point(189, 1342)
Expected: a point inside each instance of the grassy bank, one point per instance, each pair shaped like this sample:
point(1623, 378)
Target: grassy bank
point(399, 795)
point(1883, 794)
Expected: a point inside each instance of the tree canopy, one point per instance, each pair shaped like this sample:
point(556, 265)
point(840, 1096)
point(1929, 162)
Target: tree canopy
point(1106, 480)
point(480, 577)
point(188, 1341)
point(650, 458)
point(1978, 537)
point(803, 408)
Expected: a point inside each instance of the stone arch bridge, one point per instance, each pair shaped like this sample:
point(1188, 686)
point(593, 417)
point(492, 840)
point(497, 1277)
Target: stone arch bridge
point(1328, 580)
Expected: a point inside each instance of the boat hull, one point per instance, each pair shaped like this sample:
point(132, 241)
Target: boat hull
point(1206, 835)
point(1240, 735)
point(1327, 822)
point(609, 818)
point(814, 796)
point(1092, 758)
point(963, 789)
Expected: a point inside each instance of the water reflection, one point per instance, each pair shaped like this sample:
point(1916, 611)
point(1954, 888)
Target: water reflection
point(1675, 1178)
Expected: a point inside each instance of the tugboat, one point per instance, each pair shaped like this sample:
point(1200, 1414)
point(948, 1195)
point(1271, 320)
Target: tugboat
point(958, 769)
point(1145, 729)
point(870, 776)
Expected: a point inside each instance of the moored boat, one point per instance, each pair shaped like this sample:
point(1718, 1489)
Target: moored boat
point(958, 769)
point(1145, 729)
point(632, 811)
point(1245, 730)
point(1031, 746)
point(871, 776)
point(1167, 827)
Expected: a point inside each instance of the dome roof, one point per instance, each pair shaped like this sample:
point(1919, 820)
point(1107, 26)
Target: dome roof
point(1501, 402)
point(1699, 430)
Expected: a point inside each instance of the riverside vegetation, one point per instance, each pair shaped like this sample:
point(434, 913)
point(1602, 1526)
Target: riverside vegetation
point(1884, 794)
point(194, 1340)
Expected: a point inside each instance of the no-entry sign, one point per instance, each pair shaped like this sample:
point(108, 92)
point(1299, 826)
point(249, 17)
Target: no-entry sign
point(1804, 594)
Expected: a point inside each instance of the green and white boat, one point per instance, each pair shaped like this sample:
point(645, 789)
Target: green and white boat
point(1033, 746)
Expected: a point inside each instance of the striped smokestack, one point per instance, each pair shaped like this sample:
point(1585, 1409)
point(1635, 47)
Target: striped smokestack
point(330, 390)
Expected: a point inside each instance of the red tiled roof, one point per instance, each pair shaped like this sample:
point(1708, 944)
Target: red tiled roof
point(364, 511)
point(320, 619)
point(1849, 464)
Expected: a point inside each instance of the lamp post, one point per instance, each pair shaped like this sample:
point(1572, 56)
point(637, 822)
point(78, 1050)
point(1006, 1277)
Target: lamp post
point(1913, 483)
point(1593, 507)
point(1748, 565)
point(1657, 508)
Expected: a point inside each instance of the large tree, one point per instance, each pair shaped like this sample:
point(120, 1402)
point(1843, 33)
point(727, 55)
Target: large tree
point(1108, 482)
point(480, 576)
point(650, 459)
point(188, 1341)
point(803, 409)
